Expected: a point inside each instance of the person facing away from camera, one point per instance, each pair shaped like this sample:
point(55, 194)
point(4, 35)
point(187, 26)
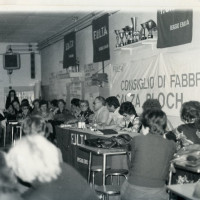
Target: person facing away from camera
point(37, 161)
point(9, 189)
point(150, 160)
point(154, 104)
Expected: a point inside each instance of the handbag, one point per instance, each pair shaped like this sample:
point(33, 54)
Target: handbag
point(120, 141)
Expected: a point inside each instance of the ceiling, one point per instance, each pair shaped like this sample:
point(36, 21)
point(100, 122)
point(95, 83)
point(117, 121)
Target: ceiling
point(34, 27)
point(37, 21)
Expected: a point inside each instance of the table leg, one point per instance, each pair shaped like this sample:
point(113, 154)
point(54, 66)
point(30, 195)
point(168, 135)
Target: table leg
point(4, 136)
point(104, 169)
point(89, 166)
point(12, 134)
point(20, 133)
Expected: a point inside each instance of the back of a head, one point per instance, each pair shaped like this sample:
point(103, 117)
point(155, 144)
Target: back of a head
point(113, 101)
point(34, 124)
point(128, 108)
point(155, 120)
point(33, 158)
point(190, 111)
point(151, 104)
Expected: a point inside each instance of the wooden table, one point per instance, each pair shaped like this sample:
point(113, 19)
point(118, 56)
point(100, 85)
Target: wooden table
point(184, 190)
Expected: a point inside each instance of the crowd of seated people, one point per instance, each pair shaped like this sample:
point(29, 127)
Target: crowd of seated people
point(150, 131)
point(33, 169)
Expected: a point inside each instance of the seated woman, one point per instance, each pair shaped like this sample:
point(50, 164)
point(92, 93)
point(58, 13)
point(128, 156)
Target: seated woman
point(86, 113)
point(47, 116)
point(25, 110)
point(36, 107)
point(9, 113)
point(44, 111)
point(131, 121)
point(53, 105)
point(37, 161)
point(150, 160)
point(17, 108)
point(62, 114)
point(151, 104)
point(12, 96)
point(188, 135)
point(75, 107)
point(189, 132)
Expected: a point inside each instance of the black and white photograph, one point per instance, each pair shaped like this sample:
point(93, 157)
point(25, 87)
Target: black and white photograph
point(99, 100)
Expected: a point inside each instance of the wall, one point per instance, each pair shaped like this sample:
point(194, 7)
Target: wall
point(21, 78)
point(52, 55)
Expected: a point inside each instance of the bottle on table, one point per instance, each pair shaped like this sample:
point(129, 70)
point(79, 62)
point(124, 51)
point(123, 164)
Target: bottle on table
point(95, 125)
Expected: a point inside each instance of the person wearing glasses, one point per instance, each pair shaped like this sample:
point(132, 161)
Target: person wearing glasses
point(101, 112)
point(86, 113)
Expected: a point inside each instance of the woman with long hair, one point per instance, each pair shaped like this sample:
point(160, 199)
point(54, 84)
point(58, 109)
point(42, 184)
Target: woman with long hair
point(11, 97)
point(150, 160)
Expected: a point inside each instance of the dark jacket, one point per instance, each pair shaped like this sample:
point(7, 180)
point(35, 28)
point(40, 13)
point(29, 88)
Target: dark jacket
point(151, 155)
point(69, 185)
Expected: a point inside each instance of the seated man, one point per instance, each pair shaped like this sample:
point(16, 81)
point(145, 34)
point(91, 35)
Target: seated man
point(115, 118)
point(101, 115)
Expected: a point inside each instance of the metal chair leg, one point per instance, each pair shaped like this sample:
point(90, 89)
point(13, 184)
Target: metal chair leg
point(111, 179)
point(89, 166)
point(93, 174)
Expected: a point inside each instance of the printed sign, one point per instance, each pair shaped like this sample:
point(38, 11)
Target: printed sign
point(100, 35)
point(158, 77)
point(69, 58)
point(174, 27)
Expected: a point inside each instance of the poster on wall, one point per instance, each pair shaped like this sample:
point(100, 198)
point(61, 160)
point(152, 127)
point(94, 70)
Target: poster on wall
point(91, 92)
point(159, 78)
point(174, 27)
point(100, 35)
point(69, 57)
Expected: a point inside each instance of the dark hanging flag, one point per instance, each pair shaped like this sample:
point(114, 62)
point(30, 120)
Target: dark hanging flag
point(100, 35)
point(174, 27)
point(69, 58)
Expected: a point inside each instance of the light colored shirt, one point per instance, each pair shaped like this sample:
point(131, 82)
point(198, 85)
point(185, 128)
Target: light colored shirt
point(115, 118)
point(136, 124)
point(101, 115)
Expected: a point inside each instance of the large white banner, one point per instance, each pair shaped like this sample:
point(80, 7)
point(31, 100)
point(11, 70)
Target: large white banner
point(172, 78)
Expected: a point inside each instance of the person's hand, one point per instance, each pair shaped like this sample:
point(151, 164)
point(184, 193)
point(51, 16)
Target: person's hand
point(172, 168)
point(101, 126)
